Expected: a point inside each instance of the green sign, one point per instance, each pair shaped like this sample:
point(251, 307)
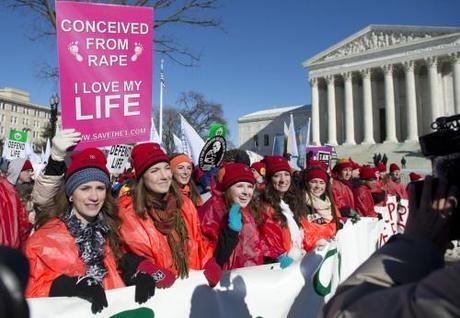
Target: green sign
point(217, 130)
point(18, 135)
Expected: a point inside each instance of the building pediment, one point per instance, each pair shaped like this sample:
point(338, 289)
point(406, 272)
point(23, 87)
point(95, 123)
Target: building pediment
point(377, 38)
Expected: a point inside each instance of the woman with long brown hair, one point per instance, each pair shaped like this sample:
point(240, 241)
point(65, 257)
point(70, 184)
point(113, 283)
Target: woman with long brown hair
point(159, 222)
point(282, 209)
point(322, 219)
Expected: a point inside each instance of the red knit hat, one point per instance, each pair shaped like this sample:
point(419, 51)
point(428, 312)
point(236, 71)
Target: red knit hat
point(414, 176)
point(317, 163)
point(27, 166)
point(236, 172)
point(367, 172)
point(316, 173)
point(146, 155)
point(394, 167)
point(381, 167)
point(88, 158)
point(354, 164)
point(260, 167)
point(343, 164)
point(275, 164)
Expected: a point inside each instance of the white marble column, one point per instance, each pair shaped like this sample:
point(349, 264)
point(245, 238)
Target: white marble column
point(435, 102)
point(390, 117)
point(411, 102)
point(456, 70)
point(367, 111)
point(349, 114)
point(315, 112)
point(331, 118)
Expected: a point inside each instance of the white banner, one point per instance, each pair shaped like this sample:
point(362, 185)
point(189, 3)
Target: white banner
point(394, 217)
point(260, 291)
point(266, 291)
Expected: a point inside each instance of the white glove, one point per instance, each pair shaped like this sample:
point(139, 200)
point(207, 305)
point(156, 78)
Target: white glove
point(63, 140)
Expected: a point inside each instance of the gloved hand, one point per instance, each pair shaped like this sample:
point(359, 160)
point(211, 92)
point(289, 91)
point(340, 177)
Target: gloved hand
point(354, 216)
point(163, 277)
point(235, 221)
point(205, 180)
point(285, 261)
point(86, 288)
point(213, 272)
point(145, 287)
point(63, 140)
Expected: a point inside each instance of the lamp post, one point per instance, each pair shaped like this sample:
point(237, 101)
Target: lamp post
point(54, 103)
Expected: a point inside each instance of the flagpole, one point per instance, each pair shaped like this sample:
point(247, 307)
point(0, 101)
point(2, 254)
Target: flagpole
point(161, 101)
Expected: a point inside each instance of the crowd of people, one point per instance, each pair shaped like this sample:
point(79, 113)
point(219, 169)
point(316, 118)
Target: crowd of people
point(84, 230)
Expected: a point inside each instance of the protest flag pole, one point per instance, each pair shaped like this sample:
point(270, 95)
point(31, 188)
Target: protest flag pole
point(162, 85)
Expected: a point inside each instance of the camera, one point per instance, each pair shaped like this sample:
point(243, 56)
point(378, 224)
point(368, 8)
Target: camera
point(443, 148)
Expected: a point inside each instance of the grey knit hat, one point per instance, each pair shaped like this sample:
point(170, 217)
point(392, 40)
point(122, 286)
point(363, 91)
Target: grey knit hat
point(83, 176)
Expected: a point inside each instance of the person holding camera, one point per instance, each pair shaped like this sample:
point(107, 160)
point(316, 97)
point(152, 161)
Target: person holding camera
point(407, 277)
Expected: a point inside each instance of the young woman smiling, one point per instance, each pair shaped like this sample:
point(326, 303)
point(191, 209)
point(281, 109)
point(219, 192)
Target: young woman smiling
point(229, 219)
point(281, 230)
point(322, 216)
point(159, 222)
point(76, 248)
point(182, 170)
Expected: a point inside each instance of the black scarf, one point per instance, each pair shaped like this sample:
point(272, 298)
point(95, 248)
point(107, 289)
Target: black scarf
point(90, 239)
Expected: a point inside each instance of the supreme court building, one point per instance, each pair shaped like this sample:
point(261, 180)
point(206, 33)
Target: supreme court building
point(385, 83)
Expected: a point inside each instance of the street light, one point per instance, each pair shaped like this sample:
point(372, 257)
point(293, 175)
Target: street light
point(54, 103)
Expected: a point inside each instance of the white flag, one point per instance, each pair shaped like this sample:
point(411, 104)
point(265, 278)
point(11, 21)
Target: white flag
point(286, 130)
point(154, 137)
point(178, 147)
point(29, 149)
point(191, 141)
point(292, 145)
point(47, 151)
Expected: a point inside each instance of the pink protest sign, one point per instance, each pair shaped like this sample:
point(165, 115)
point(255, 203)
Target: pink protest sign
point(105, 57)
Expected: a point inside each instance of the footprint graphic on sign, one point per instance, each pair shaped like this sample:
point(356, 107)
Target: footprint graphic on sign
point(73, 49)
point(137, 51)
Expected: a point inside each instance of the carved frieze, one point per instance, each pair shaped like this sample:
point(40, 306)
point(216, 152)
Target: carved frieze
point(378, 40)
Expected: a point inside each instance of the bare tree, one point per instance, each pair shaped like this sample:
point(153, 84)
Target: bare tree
point(199, 112)
point(167, 13)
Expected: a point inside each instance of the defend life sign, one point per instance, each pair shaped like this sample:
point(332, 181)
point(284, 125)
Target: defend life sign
point(118, 158)
point(105, 71)
point(16, 144)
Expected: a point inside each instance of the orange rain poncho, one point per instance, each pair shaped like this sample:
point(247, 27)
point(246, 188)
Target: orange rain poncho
point(53, 252)
point(142, 238)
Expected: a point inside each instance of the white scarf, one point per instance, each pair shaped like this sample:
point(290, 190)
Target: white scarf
point(294, 230)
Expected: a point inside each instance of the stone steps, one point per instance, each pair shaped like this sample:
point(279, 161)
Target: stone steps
point(395, 151)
